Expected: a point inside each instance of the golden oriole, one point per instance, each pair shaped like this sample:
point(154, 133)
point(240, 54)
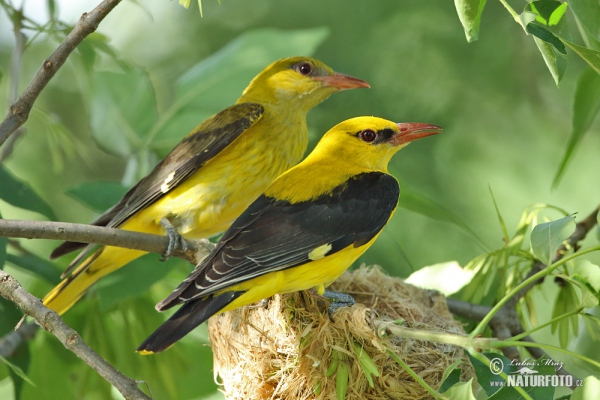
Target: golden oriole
point(307, 228)
point(218, 169)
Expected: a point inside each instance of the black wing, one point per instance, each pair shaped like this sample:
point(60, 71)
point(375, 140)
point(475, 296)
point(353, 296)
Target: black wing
point(206, 141)
point(273, 235)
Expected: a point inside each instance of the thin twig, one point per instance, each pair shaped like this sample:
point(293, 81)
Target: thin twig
point(11, 290)
point(19, 111)
point(196, 249)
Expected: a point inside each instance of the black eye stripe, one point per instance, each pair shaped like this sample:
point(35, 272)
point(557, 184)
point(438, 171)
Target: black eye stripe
point(385, 135)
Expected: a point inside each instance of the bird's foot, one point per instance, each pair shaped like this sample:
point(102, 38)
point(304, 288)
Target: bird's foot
point(176, 241)
point(337, 300)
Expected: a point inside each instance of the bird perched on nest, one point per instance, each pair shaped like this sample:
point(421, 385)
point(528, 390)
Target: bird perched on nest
point(211, 176)
point(307, 228)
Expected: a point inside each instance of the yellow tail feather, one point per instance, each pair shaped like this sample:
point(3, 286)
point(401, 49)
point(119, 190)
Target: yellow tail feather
point(101, 263)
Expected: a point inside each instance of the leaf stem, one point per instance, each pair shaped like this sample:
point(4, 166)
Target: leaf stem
point(507, 343)
point(537, 328)
point(511, 11)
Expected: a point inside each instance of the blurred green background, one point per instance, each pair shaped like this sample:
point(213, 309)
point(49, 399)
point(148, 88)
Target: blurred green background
point(155, 70)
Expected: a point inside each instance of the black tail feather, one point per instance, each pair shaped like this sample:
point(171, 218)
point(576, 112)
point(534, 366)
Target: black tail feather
point(66, 248)
point(189, 316)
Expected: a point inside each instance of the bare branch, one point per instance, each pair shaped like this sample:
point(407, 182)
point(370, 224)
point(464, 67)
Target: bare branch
point(19, 111)
point(10, 342)
point(196, 249)
point(11, 290)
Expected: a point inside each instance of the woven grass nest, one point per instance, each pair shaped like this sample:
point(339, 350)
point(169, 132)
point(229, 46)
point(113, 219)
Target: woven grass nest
point(288, 348)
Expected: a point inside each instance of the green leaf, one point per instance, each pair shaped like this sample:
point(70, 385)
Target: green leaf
point(333, 366)
point(366, 363)
point(469, 13)
point(547, 237)
point(449, 369)
point(484, 373)
point(452, 379)
point(217, 81)
point(549, 15)
point(585, 109)
point(587, 13)
point(32, 263)
point(18, 193)
point(88, 54)
point(21, 360)
point(525, 18)
point(9, 316)
point(133, 280)
point(123, 110)
point(589, 390)
point(99, 196)
point(547, 36)
point(557, 14)
point(548, 28)
point(418, 203)
point(461, 391)
point(500, 218)
point(548, 12)
point(589, 275)
point(566, 301)
point(341, 380)
point(17, 370)
point(52, 9)
point(592, 57)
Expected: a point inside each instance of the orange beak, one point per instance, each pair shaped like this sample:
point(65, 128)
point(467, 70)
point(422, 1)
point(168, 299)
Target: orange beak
point(342, 81)
point(409, 131)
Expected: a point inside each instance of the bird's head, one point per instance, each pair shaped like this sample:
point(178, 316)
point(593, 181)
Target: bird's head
point(368, 143)
point(300, 82)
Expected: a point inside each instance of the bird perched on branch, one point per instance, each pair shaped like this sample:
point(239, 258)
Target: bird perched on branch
point(215, 172)
point(306, 229)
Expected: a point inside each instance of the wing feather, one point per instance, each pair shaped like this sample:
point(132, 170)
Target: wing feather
point(273, 235)
point(195, 150)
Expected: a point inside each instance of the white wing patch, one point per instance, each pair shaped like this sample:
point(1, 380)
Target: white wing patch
point(319, 252)
point(165, 186)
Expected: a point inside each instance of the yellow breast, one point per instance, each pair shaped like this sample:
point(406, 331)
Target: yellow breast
point(212, 198)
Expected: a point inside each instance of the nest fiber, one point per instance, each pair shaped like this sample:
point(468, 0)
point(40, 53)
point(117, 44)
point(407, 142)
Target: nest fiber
point(288, 348)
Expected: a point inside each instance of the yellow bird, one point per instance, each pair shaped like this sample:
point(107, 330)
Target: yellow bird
point(218, 169)
point(307, 228)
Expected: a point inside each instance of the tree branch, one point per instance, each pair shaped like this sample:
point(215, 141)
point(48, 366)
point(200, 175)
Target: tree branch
point(10, 342)
point(19, 111)
point(196, 249)
point(11, 290)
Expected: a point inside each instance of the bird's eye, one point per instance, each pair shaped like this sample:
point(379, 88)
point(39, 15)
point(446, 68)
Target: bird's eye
point(304, 68)
point(367, 135)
